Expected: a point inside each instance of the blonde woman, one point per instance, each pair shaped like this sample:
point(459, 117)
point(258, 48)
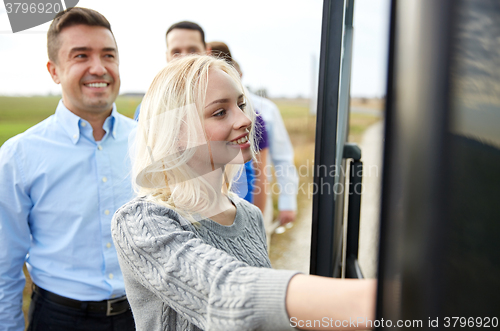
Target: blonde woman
point(193, 254)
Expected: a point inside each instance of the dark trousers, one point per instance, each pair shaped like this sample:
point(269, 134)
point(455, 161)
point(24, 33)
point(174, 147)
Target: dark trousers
point(45, 315)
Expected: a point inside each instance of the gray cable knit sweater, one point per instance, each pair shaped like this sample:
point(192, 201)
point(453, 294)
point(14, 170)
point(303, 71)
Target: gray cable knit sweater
point(180, 277)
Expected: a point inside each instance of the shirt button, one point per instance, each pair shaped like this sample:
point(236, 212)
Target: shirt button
point(110, 276)
point(106, 212)
point(83, 124)
point(104, 179)
point(113, 296)
point(108, 245)
point(99, 147)
point(75, 136)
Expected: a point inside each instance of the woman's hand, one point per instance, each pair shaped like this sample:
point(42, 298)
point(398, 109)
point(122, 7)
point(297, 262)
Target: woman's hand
point(327, 300)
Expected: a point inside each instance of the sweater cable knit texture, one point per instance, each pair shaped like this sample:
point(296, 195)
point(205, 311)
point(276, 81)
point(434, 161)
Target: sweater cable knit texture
point(180, 277)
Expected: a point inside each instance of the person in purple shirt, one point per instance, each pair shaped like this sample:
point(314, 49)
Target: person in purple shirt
point(256, 190)
point(246, 186)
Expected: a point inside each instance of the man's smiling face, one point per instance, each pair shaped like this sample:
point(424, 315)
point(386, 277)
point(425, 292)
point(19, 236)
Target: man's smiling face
point(87, 69)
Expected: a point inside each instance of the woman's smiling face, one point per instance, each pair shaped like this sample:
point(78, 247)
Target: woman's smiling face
point(226, 125)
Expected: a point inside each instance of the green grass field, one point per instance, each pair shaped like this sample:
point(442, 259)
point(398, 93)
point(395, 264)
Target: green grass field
point(17, 114)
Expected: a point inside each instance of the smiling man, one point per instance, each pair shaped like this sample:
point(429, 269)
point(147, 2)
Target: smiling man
point(62, 181)
point(86, 66)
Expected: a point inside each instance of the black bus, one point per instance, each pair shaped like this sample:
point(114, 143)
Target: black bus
point(439, 252)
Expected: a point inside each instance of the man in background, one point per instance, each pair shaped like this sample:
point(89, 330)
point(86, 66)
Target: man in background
point(62, 180)
point(185, 38)
point(282, 158)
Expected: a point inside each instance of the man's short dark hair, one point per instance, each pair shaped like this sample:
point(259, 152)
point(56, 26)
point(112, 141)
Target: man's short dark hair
point(221, 50)
point(188, 26)
point(70, 17)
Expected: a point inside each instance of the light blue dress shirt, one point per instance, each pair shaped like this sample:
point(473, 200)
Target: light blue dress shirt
point(59, 189)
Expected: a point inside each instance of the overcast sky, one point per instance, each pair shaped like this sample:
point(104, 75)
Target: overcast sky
point(273, 40)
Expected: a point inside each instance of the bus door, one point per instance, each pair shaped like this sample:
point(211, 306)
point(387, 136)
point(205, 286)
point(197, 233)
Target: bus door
point(439, 261)
point(333, 154)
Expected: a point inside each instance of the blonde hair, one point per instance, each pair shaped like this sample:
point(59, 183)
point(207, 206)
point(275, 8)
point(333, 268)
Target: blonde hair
point(171, 129)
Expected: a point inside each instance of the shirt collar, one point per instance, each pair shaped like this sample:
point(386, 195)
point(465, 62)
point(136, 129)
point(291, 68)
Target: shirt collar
point(111, 123)
point(72, 123)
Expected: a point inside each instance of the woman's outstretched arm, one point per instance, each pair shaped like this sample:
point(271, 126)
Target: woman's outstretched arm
point(327, 300)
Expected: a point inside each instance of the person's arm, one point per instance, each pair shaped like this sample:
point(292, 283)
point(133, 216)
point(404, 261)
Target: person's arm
point(261, 189)
point(15, 205)
point(214, 290)
point(282, 157)
point(206, 286)
point(287, 216)
point(331, 301)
